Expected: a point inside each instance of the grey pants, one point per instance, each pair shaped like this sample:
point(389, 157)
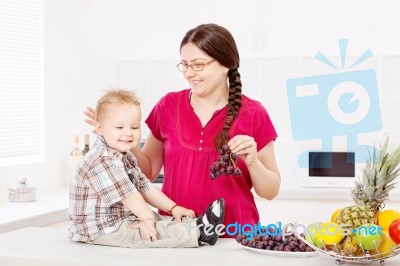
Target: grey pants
point(170, 234)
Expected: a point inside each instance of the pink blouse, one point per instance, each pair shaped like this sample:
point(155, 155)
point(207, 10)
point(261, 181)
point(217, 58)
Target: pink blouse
point(189, 152)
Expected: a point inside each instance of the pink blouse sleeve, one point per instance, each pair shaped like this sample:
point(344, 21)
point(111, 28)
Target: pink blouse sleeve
point(154, 118)
point(264, 130)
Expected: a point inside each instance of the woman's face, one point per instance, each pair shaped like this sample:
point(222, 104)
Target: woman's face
point(211, 79)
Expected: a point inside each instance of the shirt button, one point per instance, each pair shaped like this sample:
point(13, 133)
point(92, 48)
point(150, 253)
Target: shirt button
point(201, 133)
point(201, 141)
point(200, 148)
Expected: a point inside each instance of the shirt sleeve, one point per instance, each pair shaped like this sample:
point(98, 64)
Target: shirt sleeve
point(142, 183)
point(264, 130)
point(110, 180)
point(155, 116)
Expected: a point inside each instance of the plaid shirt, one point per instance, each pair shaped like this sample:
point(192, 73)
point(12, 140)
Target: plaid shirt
point(100, 181)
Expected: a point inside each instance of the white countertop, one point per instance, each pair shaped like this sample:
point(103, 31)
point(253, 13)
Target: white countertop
point(48, 208)
point(32, 246)
point(43, 246)
point(292, 204)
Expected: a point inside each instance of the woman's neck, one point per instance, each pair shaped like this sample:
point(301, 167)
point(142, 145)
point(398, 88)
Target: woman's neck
point(215, 101)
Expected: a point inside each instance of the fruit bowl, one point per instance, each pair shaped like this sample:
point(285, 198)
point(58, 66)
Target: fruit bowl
point(366, 258)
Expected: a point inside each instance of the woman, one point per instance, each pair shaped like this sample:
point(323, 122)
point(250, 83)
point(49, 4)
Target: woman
point(188, 127)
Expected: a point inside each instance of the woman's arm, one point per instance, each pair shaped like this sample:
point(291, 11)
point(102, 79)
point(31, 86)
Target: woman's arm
point(262, 165)
point(150, 157)
point(264, 173)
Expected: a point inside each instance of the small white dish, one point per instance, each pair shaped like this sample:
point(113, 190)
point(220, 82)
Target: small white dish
point(281, 253)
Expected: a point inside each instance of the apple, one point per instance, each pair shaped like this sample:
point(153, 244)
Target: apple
point(394, 231)
point(313, 235)
point(314, 240)
point(369, 236)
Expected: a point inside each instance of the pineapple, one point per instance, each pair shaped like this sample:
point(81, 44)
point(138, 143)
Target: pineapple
point(369, 195)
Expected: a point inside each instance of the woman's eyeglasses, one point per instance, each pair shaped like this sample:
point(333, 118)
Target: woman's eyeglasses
point(182, 67)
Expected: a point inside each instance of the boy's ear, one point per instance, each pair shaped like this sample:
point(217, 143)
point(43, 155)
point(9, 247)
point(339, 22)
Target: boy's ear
point(97, 127)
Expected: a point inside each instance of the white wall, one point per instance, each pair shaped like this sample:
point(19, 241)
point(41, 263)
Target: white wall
point(77, 64)
point(91, 45)
point(277, 41)
point(286, 28)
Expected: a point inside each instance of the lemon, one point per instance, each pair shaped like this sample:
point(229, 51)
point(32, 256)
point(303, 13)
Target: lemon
point(327, 233)
point(386, 217)
point(335, 214)
point(385, 248)
point(330, 233)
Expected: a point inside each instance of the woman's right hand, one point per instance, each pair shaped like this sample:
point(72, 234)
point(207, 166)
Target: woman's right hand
point(89, 113)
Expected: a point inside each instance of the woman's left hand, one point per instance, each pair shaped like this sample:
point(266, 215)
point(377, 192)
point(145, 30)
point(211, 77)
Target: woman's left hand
point(245, 147)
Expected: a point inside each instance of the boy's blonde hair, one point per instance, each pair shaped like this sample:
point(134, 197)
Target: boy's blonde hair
point(115, 96)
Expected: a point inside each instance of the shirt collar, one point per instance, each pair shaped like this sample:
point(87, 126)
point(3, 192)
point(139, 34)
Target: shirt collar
point(128, 158)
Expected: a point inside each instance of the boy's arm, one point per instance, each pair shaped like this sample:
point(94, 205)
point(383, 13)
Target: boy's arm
point(159, 200)
point(138, 206)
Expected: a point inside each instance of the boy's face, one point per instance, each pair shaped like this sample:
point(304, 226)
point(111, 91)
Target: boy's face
point(120, 126)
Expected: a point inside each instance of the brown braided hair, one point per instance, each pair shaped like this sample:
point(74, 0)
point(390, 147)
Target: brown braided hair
point(218, 42)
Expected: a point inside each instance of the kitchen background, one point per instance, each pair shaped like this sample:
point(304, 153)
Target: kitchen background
point(94, 45)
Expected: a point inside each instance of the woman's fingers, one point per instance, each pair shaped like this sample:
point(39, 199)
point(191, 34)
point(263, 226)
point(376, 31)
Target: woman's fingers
point(241, 144)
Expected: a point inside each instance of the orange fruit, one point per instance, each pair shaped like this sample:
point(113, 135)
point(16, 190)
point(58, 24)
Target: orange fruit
point(386, 217)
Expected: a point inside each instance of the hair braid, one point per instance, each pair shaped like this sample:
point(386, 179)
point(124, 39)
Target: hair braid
point(234, 103)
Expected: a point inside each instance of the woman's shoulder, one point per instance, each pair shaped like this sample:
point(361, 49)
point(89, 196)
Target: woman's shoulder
point(175, 95)
point(251, 105)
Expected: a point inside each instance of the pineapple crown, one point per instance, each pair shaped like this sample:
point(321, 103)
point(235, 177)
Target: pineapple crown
point(378, 178)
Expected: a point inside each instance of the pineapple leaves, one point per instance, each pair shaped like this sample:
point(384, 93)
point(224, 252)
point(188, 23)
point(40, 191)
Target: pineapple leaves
point(378, 176)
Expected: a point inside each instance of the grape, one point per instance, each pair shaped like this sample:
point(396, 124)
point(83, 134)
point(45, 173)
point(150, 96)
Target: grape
point(271, 243)
point(237, 172)
point(259, 245)
point(229, 170)
point(226, 164)
point(289, 243)
point(226, 157)
point(265, 238)
point(225, 148)
point(287, 248)
point(239, 238)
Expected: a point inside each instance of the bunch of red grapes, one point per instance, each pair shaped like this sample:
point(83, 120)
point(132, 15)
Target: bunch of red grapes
point(226, 164)
point(291, 243)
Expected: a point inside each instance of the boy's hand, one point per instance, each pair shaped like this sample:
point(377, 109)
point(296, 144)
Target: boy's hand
point(178, 212)
point(147, 229)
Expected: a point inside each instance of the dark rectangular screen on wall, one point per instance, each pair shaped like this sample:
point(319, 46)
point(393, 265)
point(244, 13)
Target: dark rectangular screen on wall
point(331, 164)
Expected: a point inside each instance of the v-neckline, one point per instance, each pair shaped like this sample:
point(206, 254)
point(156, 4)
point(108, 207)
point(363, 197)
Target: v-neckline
point(216, 112)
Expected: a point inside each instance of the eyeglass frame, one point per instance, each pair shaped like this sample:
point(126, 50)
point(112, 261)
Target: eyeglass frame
point(191, 66)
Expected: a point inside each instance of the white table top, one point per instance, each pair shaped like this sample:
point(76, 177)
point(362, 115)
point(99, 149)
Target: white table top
point(43, 246)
